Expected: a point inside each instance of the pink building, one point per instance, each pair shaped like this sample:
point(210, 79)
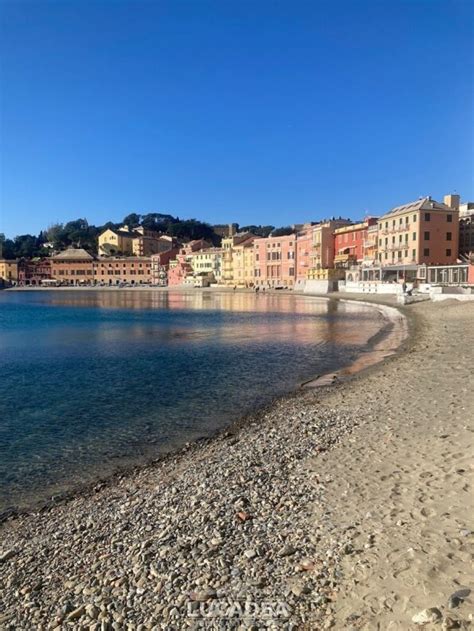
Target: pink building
point(304, 248)
point(275, 261)
point(160, 265)
point(181, 267)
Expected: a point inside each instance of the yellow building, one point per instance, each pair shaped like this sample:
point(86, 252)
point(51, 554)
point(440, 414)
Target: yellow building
point(229, 261)
point(136, 242)
point(243, 263)
point(8, 271)
point(207, 261)
point(113, 242)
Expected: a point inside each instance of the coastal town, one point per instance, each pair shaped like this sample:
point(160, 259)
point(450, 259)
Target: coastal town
point(420, 243)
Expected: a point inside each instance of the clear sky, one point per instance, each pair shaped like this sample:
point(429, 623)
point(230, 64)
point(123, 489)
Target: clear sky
point(254, 111)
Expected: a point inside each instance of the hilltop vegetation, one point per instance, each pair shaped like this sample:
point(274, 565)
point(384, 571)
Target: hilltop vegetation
point(81, 234)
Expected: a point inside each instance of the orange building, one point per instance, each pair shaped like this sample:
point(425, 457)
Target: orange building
point(133, 270)
point(421, 232)
point(74, 266)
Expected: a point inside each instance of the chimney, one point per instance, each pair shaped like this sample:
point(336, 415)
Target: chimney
point(452, 201)
point(231, 230)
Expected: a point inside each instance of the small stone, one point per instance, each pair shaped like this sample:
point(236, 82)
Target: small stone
point(76, 613)
point(427, 615)
point(287, 551)
point(454, 601)
point(203, 595)
point(7, 555)
point(250, 554)
point(92, 611)
point(243, 516)
point(450, 623)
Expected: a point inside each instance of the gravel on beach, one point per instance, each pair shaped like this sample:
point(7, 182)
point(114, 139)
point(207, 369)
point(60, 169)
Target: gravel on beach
point(222, 535)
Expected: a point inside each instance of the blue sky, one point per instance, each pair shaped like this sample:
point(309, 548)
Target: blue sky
point(251, 111)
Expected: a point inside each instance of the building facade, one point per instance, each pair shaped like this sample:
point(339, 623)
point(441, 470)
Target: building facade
point(229, 245)
point(160, 264)
point(8, 272)
point(275, 261)
point(421, 232)
point(466, 230)
point(350, 243)
point(74, 266)
point(34, 271)
point(208, 262)
point(137, 242)
point(322, 250)
point(304, 251)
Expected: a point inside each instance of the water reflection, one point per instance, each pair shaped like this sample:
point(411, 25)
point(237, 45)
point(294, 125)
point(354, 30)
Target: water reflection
point(96, 378)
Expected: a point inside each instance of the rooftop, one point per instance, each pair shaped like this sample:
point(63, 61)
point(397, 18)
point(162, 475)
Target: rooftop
point(73, 254)
point(424, 203)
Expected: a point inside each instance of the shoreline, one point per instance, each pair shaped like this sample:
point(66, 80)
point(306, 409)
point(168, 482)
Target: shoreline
point(388, 341)
point(343, 506)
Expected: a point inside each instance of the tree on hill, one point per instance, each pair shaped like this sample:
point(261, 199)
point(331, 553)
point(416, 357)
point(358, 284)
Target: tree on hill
point(282, 232)
point(132, 220)
point(260, 231)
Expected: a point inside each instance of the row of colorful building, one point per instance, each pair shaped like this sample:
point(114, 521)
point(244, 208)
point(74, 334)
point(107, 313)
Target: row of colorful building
point(404, 243)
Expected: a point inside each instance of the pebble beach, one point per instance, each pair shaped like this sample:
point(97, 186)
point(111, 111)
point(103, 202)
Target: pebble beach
point(297, 518)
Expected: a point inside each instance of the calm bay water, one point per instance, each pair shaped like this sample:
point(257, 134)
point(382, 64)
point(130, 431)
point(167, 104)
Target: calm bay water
point(94, 380)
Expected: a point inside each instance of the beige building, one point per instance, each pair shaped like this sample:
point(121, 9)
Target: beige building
point(136, 242)
point(207, 262)
point(228, 251)
point(243, 263)
point(8, 272)
point(421, 232)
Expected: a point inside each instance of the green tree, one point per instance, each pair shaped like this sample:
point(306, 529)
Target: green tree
point(132, 220)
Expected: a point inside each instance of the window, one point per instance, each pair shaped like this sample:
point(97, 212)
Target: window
point(401, 220)
point(400, 237)
point(406, 237)
point(380, 241)
point(406, 219)
point(426, 252)
point(386, 240)
point(291, 271)
point(449, 218)
point(393, 239)
point(414, 218)
point(399, 254)
point(448, 236)
point(386, 225)
point(427, 216)
point(426, 235)
point(406, 254)
point(448, 252)
point(413, 236)
point(386, 255)
point(413, 254)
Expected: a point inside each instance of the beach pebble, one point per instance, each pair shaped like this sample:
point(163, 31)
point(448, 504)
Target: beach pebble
point(7, 555)
point(427, 615)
